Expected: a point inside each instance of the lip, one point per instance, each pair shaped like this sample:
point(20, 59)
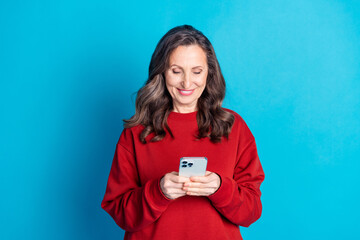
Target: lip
point(185, 92)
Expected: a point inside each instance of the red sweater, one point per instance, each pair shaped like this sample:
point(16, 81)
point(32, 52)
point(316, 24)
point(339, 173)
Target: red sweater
point(135, 201)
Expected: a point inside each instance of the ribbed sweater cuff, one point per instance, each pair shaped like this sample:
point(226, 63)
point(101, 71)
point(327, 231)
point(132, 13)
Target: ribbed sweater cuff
point(223, 195)
point(158, 199)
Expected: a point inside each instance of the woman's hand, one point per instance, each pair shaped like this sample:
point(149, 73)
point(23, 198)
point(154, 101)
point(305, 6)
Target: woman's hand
point(202, 186)
point(172, 185)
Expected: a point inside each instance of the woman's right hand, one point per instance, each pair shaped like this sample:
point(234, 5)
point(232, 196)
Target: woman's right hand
point(172, 184)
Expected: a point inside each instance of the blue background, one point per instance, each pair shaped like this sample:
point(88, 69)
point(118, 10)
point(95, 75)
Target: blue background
point(69, 71)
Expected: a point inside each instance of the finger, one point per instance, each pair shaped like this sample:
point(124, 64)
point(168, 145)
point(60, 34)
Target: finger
point(171, 191)
point(174, 177)
point(200, 191)
point(175, 191)
point(202, 179)
point(209, 176)
point(168, 182)
point(197, 189)
point(171, 184)
point(174, 196)
point(211, 184)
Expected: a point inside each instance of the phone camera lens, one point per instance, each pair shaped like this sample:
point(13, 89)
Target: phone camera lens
point(190, 164)
point(184, 166)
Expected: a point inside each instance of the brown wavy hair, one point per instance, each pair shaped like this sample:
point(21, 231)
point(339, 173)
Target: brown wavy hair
point(154, 102)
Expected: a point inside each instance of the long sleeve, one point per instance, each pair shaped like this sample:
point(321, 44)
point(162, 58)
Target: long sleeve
point(238, 198)
point(131, 205)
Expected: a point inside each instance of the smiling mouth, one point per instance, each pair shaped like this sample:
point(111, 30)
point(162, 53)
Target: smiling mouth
point(185, 92)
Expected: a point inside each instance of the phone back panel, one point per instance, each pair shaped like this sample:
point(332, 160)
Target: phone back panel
point(192, 166)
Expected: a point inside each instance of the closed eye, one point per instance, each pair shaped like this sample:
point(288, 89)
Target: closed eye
point(197, 72)
point(175, 72)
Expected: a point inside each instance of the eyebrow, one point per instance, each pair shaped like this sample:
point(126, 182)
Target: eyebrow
point(182, 68)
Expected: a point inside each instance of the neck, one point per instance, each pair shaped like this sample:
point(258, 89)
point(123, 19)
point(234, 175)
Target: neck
point(184, 109)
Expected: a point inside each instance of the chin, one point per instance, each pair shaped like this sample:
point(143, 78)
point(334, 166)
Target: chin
point(185, 103)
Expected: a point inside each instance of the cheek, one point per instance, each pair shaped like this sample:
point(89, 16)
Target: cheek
point(201, 81)
point(171, 81)
point(170, 85)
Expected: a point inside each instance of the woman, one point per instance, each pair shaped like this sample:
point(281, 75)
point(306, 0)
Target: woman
point(179, 114)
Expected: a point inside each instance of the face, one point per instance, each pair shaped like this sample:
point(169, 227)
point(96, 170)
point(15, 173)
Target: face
point(186, 77)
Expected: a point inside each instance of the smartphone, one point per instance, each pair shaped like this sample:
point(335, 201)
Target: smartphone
point(192, 166)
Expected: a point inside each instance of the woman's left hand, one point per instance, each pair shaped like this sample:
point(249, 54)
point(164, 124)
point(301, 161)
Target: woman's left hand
point(202, 186)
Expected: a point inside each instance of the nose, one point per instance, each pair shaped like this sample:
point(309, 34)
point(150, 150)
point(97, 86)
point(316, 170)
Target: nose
point(186, 82)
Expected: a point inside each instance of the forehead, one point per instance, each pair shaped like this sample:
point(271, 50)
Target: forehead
point(188, 55)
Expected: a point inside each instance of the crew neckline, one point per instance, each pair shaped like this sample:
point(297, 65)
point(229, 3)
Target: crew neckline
point(182, 116)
